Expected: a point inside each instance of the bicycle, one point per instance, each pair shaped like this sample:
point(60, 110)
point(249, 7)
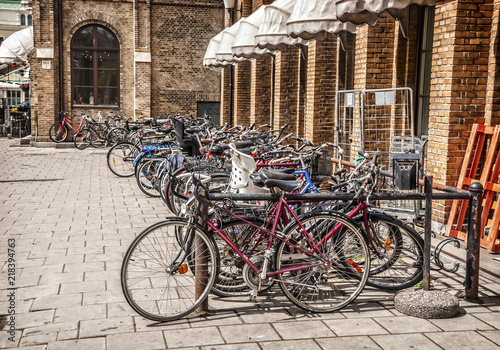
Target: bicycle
point(58, 131)
point(171, 267)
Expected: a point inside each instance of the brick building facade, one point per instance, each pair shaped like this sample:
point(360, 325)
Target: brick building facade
point(159, 51)
point(448, 57)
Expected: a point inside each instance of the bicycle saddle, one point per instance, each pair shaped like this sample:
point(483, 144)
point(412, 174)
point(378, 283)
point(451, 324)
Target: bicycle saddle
point(268, 174)
point(285, 185)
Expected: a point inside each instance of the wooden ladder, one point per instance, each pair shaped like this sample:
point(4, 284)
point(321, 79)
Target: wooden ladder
point(483, 146)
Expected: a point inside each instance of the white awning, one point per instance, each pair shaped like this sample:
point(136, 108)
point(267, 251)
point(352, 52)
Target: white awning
point(244, 43)
point(209, 60)
point(313, 18)
point(224, 54)
point(19, 46)
point(368, 11)
point(5, 85)
point(272, 33)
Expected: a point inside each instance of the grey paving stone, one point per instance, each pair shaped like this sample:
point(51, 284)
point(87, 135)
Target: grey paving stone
point(492, 318)
point(178, 338)
point(256, 315)
point(134, 341)
point(79, 344)
point(82, 287)
point(57, 278)
point(106, 326)
point(55, 301)
point(357, 326)
point(461, 323)
point(461, 340)
point(215, 318)
point(33, 319)
point(351, 343)
point(80, 313)
point(249, 333)
point(247, 346)
point(493, 336)
point(404, 342)
point(406, 324)
point(291, 345)
point(303, 330)
point(145, 325)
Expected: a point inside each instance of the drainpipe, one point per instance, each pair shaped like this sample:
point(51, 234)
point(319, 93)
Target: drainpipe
point(61, 61)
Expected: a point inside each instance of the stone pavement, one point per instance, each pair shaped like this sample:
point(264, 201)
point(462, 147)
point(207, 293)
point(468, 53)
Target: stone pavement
point(71, 221)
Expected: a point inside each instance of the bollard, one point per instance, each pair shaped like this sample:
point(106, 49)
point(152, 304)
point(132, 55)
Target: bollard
point(201, 264)
point(426, 281)
point(473, 242)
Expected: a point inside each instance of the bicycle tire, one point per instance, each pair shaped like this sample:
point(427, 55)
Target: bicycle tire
point(147, 284)
point(330, 287)
point(245, 237)
point(115, 135)
point(146, 177)
point(58, 132)
point(83, 139)
point(400, 264)
point(120, 158)
point(178, 191)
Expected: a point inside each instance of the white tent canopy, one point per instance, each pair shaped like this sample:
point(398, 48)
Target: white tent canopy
point(272, 33)
point(368, 11)
point(244, 43)
point(210, 59)
point(313, 18)
point(17, 46)
point(224, 52)
point(5, 85)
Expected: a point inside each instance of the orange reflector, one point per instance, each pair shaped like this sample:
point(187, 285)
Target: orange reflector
point(183, 269)
point(114, 161)
point(388, 243)
point(356, 266)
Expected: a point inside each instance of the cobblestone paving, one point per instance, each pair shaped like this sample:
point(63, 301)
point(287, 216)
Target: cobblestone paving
point(72, 220)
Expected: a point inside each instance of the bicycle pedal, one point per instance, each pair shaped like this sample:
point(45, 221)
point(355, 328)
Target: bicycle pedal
point(253, 295)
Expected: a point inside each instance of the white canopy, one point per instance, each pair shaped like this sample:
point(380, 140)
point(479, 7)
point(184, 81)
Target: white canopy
point(209, 59)
point(224, 53)
point(19, 46)
point(5, 85)
point(272, 33)
point(244, 43)
point(368, 11)
point(313, 18)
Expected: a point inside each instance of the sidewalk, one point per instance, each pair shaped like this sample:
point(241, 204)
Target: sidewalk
point(72, 220)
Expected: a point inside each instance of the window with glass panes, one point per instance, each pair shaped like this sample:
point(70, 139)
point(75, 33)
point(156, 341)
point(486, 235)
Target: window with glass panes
point(95, 67)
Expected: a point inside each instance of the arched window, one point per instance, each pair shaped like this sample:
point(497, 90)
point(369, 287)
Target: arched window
point(23, 20)
point(95, 56)
point(30, 20)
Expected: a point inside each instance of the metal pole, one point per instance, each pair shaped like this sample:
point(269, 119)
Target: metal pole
point(427, 233)
point(473, 242)
point(201, 264)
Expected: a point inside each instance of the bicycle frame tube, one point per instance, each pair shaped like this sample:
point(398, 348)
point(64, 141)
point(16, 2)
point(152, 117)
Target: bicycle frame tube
point(280, 205)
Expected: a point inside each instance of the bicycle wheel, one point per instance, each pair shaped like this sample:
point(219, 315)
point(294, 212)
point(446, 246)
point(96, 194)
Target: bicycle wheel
point(120, 159)
point(179, 188)
point(250, 241)
point(58, 132)
point(83, 139)
point(398, 262)
point(147, 178)
point(116, 135)
point(336, 276)
point(163, 278)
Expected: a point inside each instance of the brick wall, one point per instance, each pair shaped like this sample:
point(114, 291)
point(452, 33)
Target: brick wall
point(260, 91)
point(458, 85)
point(286, 85)
point(43, 81)
point(241, 93)
point(174, 33)
point(493, 86)
point(179, 40)
point(321, 90)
